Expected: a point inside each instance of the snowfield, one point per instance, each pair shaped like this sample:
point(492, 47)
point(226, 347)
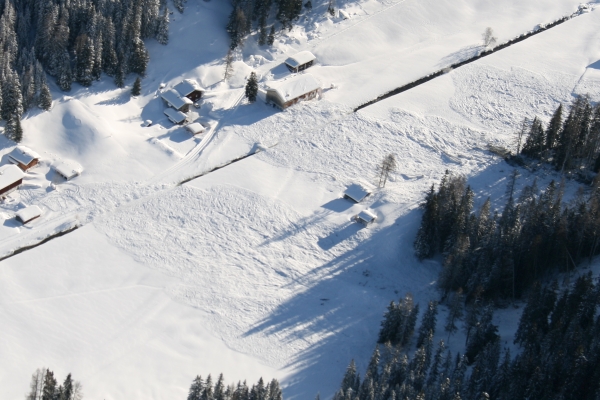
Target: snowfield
point(257, 268)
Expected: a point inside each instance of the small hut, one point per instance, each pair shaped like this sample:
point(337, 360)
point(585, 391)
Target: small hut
point(300, 61)
point(68, 169)
point(174, 100)
point(365, 217)
point(195, 128)
point(292, 90)
point(356, 193)
point(23, 157)
point(190, 89)
point(28, 214)
point(11, 177)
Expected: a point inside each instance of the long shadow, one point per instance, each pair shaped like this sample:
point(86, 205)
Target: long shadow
point(595, 65)
point(338, 236)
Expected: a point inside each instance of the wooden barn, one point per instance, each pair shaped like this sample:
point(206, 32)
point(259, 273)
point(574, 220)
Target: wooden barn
point(174, 100)
point(23, 157)
point(176, 117)
point(300, 61)
point(28, 214)
point(190, 89)
point(292, 90)
point(11, 177)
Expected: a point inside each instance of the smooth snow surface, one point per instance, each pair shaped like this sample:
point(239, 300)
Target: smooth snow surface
point(257, 268)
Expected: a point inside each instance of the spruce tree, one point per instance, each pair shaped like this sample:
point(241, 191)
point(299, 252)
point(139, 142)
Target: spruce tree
point(120, 78)
point(455, 312)
point(162, 30)
point(137, 87)
point(18, 133)
point(428, 323)
point(45, 99)
point(50, 388)
point(196, 389)
point(271, 37)
point(252, 88)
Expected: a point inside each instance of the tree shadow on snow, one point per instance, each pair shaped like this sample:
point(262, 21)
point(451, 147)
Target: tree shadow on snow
point(595, 65)
point(463, 54)
point(121, 98)
point(341, 309)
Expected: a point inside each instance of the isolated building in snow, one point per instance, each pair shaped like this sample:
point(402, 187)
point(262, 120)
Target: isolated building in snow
point(23, 157)
point(365, 217)
point(68, 169)
point(356, 193)
point(28, 214)
point(300, 61)
point(11, 177)
point(292, 90)
point(195, 128)
point(176, 117)
point(190, 89)
point(174, 100)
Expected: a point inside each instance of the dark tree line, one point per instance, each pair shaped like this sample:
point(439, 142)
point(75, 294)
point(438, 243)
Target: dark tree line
point(570, 141)
point(559, 336)
point(255, 14)
point(206, 390)
point(44, 386)
point(501, 255)
point(72, 41)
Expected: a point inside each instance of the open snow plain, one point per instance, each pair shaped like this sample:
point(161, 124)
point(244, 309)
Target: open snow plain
point(256, 269)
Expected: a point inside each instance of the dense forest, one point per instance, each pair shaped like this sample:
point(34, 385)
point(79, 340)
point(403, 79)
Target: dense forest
point(45, 386)
point(500, 255)
point(571, 144)
point(558, 335)
point(72, 41)
point(205, 390)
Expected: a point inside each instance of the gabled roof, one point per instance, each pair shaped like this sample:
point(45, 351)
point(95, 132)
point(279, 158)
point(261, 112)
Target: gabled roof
point(195, 128)
point(23, 155)
point(68, 168)
point(357, 193)
point(175, 116)
point(174, 99)
point(366, 217)
point(10, 174)
point(29, 213)
point(300, 58)
point(290, 88)
point(188, 86)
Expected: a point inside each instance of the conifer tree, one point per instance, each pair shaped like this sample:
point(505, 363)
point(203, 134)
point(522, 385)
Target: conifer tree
point(252, 88)
point(137, 87)
point(271, 37)
point(196, 389)
point(50, 388)
point(428, 323)
point(162, 31)
point(455, 312)
point(45, 99)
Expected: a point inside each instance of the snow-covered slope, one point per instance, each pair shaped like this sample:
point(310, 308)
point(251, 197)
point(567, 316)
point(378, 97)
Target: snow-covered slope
point(257, 268)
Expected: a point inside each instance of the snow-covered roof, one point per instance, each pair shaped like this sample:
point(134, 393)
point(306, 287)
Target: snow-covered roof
point(174, 99)
point(188, 86)
point(289, 89)
point(23, 155)
point(356, 193)
point(366, 216)
point(29, 213)
point(175, 116)
point(10, 174)
point(300, 58)
point(68, 168)
point(195, 128)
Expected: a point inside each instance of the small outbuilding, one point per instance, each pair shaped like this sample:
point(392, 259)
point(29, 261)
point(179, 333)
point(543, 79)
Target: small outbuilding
point(176, 117)
point(174, 100)
point(28, 214)
point(300, 61)
point(68, 169)
point(11, 177)
point(356, 193)
point(290, 91)
point(23, 157)
point(190, 89)
point(365, 217)
point(195, 128)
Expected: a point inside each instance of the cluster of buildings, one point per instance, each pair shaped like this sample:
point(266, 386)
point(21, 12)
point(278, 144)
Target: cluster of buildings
point(179, 99)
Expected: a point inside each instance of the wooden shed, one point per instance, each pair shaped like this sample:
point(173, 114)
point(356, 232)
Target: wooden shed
point(190, 89)
point(195, 128)
point(365, 217)
point(11, 177)
point(300, 61)
point(356, 193)
point(23, 157)
point(292, 90)
point(176, 117)
point(68, 169)
point(28, 214)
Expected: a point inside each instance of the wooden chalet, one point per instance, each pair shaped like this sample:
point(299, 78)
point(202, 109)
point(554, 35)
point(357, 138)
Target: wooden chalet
point(190, 89)
point(11, 177)
point(300, 61)
point(174, 100)
point(28, 214)
point(23, 157)
point(285, 93)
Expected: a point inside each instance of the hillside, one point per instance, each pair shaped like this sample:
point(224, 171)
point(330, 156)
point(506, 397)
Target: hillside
point(256, 269)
